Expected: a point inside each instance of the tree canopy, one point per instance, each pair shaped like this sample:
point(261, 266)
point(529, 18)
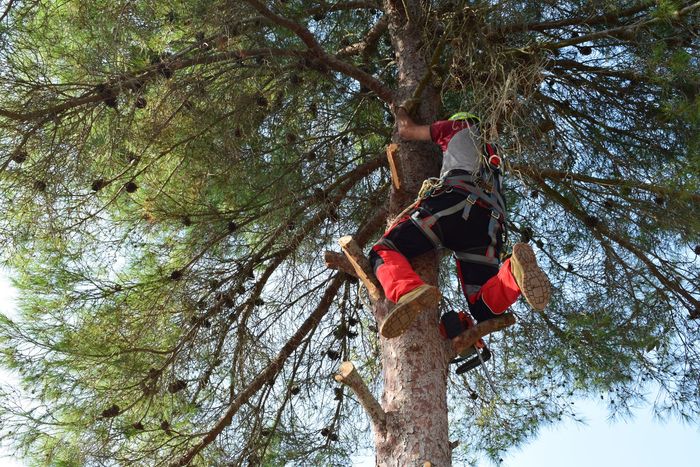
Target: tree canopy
point(172, 173)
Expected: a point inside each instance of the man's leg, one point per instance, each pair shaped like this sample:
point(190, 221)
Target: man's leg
point(518, 275)
point(389, 259)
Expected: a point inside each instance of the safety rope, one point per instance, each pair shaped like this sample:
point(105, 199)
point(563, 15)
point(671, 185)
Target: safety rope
point(487, 373)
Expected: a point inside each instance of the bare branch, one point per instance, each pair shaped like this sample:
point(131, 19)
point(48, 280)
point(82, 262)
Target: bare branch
point(368, 43)
point(339, 261)
point(361, 265)
point(393, 165)
point(7, 10)
point(349, 376)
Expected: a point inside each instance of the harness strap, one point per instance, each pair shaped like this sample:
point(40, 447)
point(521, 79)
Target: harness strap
point(468, 183)
point(387, 243)
point(474, 258)
point(471, 201)
point(492, 230)
point(425, 225)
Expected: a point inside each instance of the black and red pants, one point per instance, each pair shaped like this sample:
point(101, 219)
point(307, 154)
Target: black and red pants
point(488, 289)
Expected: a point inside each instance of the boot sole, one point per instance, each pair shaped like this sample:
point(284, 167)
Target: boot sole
point(404, 314)
point(531, 279)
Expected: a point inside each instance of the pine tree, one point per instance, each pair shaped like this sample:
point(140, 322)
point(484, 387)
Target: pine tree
point(176, 175)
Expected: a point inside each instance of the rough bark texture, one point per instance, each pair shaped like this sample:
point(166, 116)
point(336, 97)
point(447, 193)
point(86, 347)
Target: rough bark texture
point(414, 364)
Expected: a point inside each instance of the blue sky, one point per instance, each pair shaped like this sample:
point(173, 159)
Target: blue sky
point(639, 442)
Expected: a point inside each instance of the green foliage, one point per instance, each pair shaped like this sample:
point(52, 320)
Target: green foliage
point(173, 171)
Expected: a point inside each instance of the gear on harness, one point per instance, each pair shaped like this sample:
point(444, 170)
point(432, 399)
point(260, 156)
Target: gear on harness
point(429, 186)
point(487, 196)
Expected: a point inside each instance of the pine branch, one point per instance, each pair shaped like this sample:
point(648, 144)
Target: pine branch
point(114, 86)
point(581, 20)
point(613, 32)
point(7, 9)
point(599, 231)
point(362, 235)
point(272, 369)
point(560, 175)
point(368, 43)
point(329, 60)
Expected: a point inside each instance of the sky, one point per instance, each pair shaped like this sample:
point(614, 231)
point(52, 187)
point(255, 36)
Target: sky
point(639, 442)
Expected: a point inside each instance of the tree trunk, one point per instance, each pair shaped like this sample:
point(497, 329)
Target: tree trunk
point(415, 364)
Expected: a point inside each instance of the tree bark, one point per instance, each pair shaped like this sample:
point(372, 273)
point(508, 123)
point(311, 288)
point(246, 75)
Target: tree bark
point(415, 363)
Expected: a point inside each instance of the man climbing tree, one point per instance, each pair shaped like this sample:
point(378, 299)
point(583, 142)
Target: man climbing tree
point(175, 176)
point(463, 211)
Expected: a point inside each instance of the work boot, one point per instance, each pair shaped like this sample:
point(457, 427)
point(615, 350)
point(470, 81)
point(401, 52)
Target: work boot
point(532, 281)
point(407, 308)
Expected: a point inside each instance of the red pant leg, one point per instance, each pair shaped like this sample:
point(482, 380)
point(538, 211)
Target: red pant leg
point(395, 273)
point(499, 292)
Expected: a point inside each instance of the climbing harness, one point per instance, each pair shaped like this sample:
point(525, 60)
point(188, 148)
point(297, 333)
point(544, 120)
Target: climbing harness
point(479, 192)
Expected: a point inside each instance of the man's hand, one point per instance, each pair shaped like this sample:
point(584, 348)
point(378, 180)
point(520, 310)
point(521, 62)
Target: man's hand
point(408, 129)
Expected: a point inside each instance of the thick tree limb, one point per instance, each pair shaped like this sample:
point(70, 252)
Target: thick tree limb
point(368, 43)
point(361, 266)
point(469, 337)
point(350, 377)
point(581, 20)
point(329, 60)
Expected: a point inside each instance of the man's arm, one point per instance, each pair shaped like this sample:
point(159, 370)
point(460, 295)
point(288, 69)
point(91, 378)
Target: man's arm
point(408, 129)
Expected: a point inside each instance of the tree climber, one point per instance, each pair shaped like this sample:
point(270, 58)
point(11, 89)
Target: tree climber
point(462, 211)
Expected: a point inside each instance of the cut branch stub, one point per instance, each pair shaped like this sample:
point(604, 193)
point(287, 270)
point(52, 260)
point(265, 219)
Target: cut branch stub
point(469, 337)
point(348, 375)
point(361, 266)
point(339, 262)
point(391, 157)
